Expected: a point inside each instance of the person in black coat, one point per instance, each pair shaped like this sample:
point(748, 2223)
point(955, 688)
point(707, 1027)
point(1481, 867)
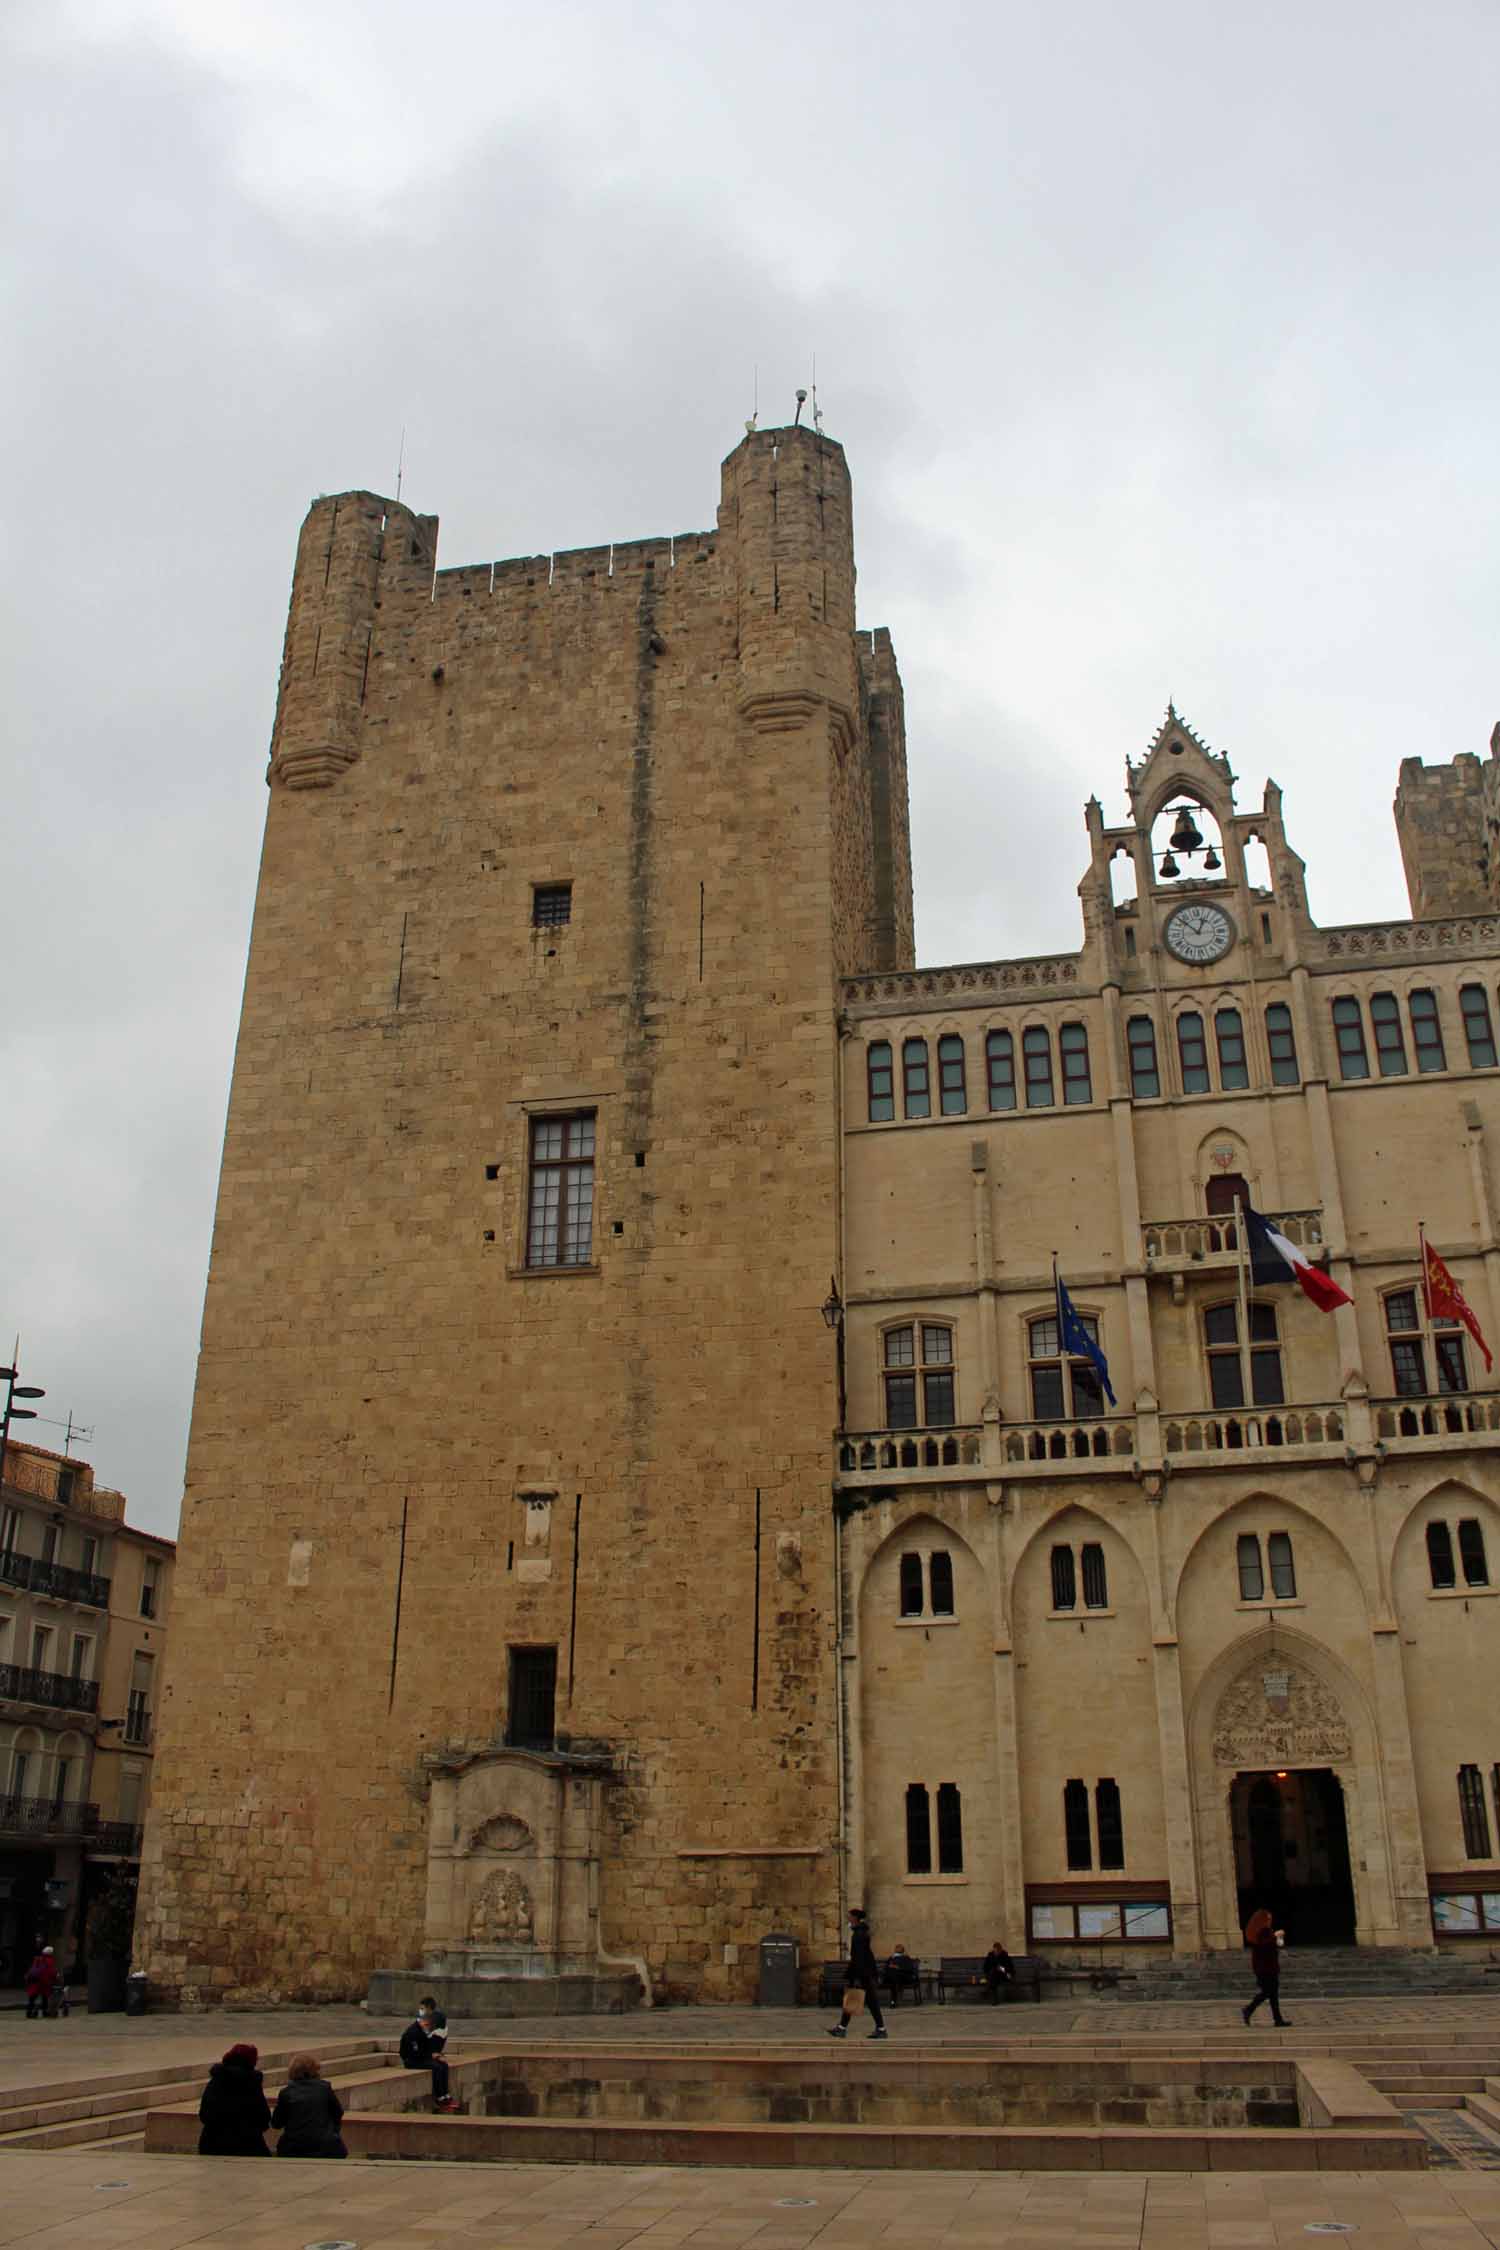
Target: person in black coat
point(1264, 1941)
point(422, 2049)
point(234, 2112)
point(998, 1969)
point(308, 2112)
point(864, 1975)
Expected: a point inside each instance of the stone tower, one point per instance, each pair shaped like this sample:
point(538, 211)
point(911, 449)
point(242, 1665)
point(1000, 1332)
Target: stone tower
point(564, 858)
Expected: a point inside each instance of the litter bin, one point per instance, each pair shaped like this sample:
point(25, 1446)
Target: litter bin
point(135, 1993)
point(779, 1955)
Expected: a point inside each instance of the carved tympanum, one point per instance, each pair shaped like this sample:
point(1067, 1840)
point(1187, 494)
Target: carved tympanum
point(502, 1912)
point(1277, 1714)
point(502, 1834)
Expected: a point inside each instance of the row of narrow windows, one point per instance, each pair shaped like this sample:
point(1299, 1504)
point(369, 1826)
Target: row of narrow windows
point(1474, 1812)
point(1264, 1564)
point(1204, 1061)
point(919, 1371)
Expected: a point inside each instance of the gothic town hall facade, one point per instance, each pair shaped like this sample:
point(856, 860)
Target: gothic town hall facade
point(639, 1494)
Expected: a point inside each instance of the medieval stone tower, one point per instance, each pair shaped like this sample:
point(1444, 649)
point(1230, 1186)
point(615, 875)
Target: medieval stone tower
point(515, 1408)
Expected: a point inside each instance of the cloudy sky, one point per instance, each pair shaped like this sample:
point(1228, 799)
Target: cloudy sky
point(1162, 339)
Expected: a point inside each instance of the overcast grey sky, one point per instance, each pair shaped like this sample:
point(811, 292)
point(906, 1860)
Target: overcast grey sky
point(1162, 340)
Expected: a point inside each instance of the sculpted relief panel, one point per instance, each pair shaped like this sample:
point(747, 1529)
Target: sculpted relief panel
point(1277, 1714)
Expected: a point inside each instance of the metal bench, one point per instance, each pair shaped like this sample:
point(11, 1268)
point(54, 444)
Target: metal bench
point(961, 1977)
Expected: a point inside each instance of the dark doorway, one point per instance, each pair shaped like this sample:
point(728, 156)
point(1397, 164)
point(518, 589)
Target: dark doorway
point(1291, 1850)
point(533, 1698)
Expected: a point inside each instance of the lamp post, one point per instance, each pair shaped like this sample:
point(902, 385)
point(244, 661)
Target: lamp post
point(15, 1389)
point(833, 1317)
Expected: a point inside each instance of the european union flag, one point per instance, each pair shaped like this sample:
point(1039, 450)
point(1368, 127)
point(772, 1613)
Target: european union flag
point(1077, 1343)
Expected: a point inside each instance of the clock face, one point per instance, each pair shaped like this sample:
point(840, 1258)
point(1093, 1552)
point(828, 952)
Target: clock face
point(1199, 932)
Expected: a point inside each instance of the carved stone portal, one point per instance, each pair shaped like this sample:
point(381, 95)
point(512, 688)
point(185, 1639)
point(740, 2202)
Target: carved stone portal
point(513, 1847)
point(1276, 1713)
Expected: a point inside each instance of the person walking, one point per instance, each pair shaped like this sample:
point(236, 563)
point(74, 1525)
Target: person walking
point(41, 1977)
point(422, 2049)
point(1264, 1941)
point(233, 2111)
point(863, 1977)
point(308, 2112)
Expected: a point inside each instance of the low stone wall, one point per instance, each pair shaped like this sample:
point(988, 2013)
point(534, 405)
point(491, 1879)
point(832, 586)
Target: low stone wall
point(482, 1999)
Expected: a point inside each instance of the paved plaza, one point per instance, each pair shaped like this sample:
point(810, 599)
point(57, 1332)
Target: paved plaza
point(119, 2196)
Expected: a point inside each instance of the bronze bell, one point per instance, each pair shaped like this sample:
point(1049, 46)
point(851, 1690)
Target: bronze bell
point(1168, 865)
point(1185, 836)
point(1211, 861)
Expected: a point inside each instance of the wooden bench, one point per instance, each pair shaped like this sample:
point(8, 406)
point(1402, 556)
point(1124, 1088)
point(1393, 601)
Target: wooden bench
point(961, 1976)
point(834, 1977)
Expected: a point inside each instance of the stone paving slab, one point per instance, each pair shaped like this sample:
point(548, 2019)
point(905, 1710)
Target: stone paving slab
point(66, 2202)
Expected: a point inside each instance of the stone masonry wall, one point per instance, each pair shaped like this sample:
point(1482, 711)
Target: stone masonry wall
point(675, 728)
point(1440, 823)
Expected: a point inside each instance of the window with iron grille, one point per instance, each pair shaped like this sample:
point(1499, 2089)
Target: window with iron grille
point(1000, 1063)
point(953, 1098)
point(560, 1203)
point(1064, 1579)
point(1073, 1047)
point(1226, 1373)
point(1440, 1556)
point(1427, 1031)
point(1281, 1039)
point(1192, 1052)
point(911, 1585)
point(1390, 1046)
point(1229, 1037)
point(1283, 1568)
point(137, 1715)
point(1036, 1053)
point(1349, 1035)
point(921, 1353)
point(918, 1830)
point(1474, 1813)
point(1095, 1577)
point(1471, 1552)
point(950, 1830)
point(916, 1089)
point(1140, 1040)
point(880, 1077)
point(940, 1580)
point(1060, 1388)
point(1408, 1346)
point(1076, 1825)
point(551, 905)
point(1248, 1563)
point(1479, 1030)
point(1110, 1824)
point(531, 1723)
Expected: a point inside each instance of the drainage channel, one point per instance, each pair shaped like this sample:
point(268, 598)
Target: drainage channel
point(1459, 2143)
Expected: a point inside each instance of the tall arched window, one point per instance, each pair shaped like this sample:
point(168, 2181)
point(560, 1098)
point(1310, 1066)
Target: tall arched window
point(1140, 1040)
point(1095, 1578)
point(1479, 1030)
point(918, 1830)
point(1474, 1813)
point(1036, 1050)
point(1111, 1826)
point(915, 1089)
point(953, 1097)
point(1349, 1034)
point(911, 1585)
point(880, 1079)
point(1427, 1031)
point(1282, 1042)
point(1064, 1579)
point(940, 1578)
point(1076, 1825)
point(1229, 1037)
point(1192, 1052)
point(1000, 1063)
point(950, 1829)
point(1073, 1046)
point(1390, 1046)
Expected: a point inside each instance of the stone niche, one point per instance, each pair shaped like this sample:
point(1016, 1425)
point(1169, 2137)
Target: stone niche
point(512, 1921)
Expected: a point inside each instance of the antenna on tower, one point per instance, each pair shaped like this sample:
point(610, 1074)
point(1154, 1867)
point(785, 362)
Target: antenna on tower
point(754, 402)
point(401, 461)
point(817, 414)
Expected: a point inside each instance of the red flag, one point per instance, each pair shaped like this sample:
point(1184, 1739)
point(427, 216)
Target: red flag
point(1446, 1301)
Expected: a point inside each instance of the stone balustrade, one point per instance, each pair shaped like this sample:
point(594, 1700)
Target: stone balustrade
point(1169, 1244)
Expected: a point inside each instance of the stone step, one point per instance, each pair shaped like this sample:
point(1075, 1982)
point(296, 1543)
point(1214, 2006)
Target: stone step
point(1486, 2106)
point(104, 2112)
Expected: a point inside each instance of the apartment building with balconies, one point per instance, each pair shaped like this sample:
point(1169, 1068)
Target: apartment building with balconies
point(83, 1600)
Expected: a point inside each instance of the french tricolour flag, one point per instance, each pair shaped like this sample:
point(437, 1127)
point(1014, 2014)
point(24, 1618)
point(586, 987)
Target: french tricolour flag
point(1273, 1258)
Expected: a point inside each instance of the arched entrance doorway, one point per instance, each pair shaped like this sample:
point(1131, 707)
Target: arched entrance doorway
point(1291, 1852)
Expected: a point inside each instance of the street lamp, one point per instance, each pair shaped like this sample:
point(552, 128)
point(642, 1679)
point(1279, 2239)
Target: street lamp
point(832, 1309)
point(15, 1389)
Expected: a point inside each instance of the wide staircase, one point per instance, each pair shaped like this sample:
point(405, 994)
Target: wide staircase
point(109, 2110)
point(1317, 1972)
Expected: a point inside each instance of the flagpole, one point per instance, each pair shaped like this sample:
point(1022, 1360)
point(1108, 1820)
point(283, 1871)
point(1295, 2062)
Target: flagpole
point(1429, 1342)
point(1242, 1246)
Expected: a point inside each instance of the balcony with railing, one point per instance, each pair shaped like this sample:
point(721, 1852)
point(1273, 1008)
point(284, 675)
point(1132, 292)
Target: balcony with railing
point(1457, 1416)
point(1255, 1429)
point(29, 1574)
point(1178, 1245)
point(43, 1817)
point(54, 1691)
point(880, 1451)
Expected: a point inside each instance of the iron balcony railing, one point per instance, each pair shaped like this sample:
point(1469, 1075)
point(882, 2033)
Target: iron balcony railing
point(31, 1575)
point(43, 1816)
point(59, 1691)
